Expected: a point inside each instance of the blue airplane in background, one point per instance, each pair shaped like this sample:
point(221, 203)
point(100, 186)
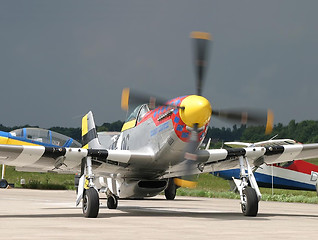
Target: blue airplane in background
point(34, 137)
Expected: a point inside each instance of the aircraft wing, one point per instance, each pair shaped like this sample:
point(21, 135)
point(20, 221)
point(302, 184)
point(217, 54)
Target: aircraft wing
point(224, 159)
point(228, 158)
point(63, 159)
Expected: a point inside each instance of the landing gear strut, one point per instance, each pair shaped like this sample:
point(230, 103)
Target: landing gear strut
point(250, 196)
point(3, 182)
point(86, 191)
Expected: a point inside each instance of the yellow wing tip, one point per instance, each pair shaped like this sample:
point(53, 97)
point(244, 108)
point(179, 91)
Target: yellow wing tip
point(125, 99)
point(270, 122)
point(201, 35)
point(184, 183)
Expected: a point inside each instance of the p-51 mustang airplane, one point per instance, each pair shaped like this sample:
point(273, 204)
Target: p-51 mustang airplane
point(157, 149)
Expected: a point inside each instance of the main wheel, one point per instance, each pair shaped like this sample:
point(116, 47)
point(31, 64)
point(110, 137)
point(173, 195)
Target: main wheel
point(3, 183)
point(112, 202)
point(250, 202)
point(90, 203)
point(171, 190)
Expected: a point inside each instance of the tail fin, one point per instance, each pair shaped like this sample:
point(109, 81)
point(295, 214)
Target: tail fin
point(89, 134)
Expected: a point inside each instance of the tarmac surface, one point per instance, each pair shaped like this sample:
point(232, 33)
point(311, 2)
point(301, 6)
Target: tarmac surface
point(41, 214)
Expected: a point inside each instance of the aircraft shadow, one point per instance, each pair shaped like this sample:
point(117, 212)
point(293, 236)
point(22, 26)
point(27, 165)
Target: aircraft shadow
point(163, 212)
point(135, 211)
point(157, 199)
point(181, 212)
point(53, 215)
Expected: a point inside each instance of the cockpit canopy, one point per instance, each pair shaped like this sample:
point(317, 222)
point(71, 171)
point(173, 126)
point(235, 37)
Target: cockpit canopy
point(47, 137)
point(136, 116)
point(138, 113)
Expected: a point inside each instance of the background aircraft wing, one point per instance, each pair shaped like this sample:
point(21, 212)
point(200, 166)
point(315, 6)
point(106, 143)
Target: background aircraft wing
point(237, 144)
point(64, 159)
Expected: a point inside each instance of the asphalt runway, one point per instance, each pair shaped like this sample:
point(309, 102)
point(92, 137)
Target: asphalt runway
point(39, 214)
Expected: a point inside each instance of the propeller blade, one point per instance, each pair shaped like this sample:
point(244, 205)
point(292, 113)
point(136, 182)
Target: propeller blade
point(201, 43)
point(190, 156)
point(182, 182)
point(130, 97)
point(270, 122)
point(125, 99)
point(248, 117)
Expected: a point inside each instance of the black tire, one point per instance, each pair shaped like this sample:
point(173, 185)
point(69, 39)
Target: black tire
point(112, 202)
point(90, 203)
point(171, 190)
point(250, 206)
point(3, 183)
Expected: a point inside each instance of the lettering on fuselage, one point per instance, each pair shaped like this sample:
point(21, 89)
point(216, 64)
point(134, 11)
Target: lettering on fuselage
point(113, 146)
point(159, 129)
point(124, 143)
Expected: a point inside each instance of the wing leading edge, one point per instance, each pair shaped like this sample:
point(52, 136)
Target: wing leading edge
point(67, 159)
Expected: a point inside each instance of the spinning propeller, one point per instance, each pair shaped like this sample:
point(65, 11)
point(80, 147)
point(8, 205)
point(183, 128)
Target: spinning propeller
point(195, 110)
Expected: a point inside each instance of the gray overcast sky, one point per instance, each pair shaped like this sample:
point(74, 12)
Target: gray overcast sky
point(59, 59)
